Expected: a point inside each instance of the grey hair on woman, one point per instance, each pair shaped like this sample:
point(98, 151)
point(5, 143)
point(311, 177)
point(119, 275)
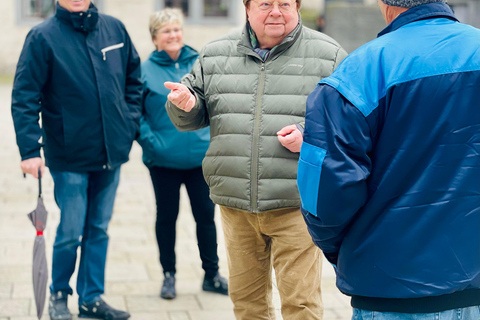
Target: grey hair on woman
point(163, 17)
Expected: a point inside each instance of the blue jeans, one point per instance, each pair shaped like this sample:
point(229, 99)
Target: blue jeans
point(86, 204)
point(470, 313)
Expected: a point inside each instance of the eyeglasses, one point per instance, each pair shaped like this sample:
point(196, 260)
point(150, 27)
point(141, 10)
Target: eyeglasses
point(267, 6)
point(169, 30)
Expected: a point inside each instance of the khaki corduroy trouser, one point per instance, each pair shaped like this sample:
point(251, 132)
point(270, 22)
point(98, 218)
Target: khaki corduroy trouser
point(255, 241)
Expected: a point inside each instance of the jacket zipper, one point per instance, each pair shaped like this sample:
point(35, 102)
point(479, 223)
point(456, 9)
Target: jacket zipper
point(108, 165)
point(110, 48)
point(255, 147)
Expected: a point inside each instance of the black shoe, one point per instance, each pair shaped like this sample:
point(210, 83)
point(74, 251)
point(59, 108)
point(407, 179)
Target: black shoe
point(168, 287)
point(217, 284)
point(57, 306)
point(101, 310)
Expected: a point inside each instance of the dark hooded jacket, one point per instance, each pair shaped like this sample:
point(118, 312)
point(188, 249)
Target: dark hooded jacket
point(79, 70)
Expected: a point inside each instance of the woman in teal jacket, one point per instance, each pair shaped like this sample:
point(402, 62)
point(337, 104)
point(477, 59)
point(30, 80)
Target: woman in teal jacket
point(173, 157)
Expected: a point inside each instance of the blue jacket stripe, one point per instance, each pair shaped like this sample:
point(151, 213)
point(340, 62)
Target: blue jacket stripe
point(308, 176)
point(432, 58)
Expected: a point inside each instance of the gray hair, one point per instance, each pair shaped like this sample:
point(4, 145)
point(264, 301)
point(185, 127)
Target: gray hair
point(163, 17)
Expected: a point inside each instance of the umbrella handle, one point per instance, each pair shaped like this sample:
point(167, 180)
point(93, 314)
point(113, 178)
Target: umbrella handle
point(39, 182)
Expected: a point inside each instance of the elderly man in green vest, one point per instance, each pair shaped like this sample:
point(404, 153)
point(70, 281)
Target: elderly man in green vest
point(251, 87)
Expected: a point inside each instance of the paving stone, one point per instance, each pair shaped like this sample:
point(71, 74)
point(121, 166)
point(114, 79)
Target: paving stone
point(114, 257)
point(15, 274)
point(17, 254)
point(213, 314)
point(150, 316)
point(343, 313)
point(22, 291)
point(149, 304)
point(117, 301)
point(128, 233)
point(213, 301)
point(137, 288)
point(72, 303)
point(179, 315)
point(154, 271)
point(329, 314)
point(344, 300)
point(5, 291)
point(126, 272)
point(330, 301)
point(14, 307)
point(150, 257)
point(327, 270)
point(190, 287)
point(140, 246)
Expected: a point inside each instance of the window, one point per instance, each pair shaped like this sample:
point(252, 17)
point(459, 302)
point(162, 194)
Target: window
point(206, 12)
point(215, 8)
point(182, 4)
point(36, 10)
point(31, 12)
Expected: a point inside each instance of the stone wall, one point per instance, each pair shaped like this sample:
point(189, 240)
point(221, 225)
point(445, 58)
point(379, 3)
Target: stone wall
point(353, 24)
point(350, 23)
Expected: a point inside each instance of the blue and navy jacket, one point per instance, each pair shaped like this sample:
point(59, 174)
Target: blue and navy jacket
point(389, 171)
point(163, 144)
point(79, 70)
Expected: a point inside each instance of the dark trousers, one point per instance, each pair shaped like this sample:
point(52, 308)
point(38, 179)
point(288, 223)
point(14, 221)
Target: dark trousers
point(166, 184)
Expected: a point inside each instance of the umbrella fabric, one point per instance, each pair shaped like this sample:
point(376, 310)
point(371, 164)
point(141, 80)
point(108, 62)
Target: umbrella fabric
point(39, 267)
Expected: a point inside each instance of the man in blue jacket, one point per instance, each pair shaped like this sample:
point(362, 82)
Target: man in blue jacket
point(389, 172)
point(80, 71)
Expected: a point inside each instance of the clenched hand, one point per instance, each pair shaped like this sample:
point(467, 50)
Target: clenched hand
point(291, 138)
point(31, 166)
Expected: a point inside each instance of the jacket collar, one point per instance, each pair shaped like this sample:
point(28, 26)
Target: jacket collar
point(162, 58)
point(245, 45)
point(82, 21)
point(422, 12)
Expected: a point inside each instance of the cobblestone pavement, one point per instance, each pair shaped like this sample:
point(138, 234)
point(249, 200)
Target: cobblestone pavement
point(133, 276)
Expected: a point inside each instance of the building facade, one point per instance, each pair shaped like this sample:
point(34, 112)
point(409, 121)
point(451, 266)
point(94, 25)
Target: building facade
point(205, 20)
point(350, 22)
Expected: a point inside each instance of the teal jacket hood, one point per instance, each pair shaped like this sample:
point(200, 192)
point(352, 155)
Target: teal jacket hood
point(187, 55)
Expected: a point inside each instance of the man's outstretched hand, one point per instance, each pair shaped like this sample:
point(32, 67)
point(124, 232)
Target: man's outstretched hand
point(180, 96)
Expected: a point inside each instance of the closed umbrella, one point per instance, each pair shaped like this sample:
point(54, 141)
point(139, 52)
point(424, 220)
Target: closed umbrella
point(39, 267)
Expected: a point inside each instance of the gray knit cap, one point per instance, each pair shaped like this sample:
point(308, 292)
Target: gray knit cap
point(409, 3)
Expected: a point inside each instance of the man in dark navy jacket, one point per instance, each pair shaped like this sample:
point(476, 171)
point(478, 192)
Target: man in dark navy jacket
point(389, 172)
point(80, 71)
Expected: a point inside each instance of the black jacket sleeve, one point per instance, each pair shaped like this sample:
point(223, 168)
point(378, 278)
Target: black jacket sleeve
point(31, 75)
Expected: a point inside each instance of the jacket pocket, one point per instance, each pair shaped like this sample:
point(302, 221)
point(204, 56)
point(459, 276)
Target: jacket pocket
point(308, 176)
point(110, 48)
